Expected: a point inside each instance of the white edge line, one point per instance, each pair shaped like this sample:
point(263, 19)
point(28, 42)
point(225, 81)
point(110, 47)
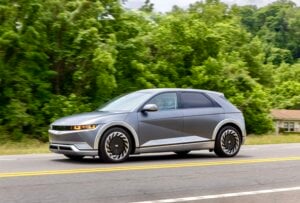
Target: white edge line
point(7, 159)
point(224, 195)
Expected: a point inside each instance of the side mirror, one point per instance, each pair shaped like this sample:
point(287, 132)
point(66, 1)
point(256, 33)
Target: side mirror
point(150, 107)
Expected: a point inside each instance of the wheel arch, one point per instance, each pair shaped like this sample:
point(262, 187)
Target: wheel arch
point(131, 131)
point(229, 122)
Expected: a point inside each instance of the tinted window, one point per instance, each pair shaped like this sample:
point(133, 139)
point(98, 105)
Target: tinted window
point(195, 100)
point(165, 101)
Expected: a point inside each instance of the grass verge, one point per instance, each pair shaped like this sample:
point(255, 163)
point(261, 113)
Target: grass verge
point(34, 146)
point(27, 146)
point(272, 139)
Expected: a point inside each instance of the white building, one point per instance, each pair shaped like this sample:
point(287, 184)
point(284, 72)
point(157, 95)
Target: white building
point(286, 120)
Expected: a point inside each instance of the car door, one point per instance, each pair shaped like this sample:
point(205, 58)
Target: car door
point(201, 114)
point(161, 127)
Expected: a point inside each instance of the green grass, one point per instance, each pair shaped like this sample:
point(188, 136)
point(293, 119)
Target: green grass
point(272, 139)
point(28, 146)
point(25, 147)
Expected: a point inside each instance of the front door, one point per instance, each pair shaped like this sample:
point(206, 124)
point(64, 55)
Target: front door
point(162, 127)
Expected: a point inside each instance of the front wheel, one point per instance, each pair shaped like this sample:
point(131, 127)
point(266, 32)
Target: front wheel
point(115, 145)
point(228, 142)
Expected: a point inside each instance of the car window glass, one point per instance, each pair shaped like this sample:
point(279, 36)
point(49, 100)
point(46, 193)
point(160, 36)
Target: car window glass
point(195, 100)
point(126, 102)
point(165, 101)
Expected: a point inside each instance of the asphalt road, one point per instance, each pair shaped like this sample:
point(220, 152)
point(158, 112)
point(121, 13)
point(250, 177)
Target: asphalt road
point(268, 173)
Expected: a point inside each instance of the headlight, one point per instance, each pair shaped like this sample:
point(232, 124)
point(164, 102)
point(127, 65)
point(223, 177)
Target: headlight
point(73, 127)
point(83, 127)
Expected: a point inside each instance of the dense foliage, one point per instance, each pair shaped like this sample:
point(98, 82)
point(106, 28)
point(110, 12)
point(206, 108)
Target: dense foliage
point(59, 57)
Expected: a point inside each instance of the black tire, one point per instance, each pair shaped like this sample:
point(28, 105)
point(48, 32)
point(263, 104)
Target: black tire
point(228, 142)
point(74, 157)
point(182, 153)
point(115, 145)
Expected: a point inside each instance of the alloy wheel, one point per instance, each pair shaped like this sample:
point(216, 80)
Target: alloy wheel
point(230, 142)
point(116, 146)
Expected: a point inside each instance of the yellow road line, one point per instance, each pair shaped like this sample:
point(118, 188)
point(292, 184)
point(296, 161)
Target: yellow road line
point(148, 167)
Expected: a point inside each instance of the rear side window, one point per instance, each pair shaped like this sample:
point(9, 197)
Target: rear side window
point(195, 100)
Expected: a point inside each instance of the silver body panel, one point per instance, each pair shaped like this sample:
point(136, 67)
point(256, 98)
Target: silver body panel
point(179, 129)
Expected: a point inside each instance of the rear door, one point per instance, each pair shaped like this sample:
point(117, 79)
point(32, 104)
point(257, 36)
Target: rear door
point(201, 114)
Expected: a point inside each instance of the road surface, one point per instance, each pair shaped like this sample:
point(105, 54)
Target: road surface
point(267, 173)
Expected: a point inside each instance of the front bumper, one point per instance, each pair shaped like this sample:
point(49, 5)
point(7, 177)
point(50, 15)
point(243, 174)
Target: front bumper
point(71, 149)
point(73, 142)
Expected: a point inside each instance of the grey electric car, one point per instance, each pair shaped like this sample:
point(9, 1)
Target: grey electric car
point(152, 120)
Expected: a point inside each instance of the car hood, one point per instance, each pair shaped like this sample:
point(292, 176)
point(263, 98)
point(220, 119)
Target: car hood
point(95, 117)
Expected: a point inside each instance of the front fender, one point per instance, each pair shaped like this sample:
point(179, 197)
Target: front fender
point(112, 124)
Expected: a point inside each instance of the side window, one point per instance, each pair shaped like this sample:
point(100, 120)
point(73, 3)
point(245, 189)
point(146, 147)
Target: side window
point(195, 100)
point(165, 101)
point(286, 126)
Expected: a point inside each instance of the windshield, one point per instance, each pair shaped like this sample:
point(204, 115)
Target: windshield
point(126, 103)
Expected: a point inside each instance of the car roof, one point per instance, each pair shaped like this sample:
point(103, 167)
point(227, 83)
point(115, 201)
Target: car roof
point(159, 90)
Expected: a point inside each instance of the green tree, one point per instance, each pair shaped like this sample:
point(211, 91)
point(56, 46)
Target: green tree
point(64, 57)
point(285, 93)
point(53, 47)
point(277, 24)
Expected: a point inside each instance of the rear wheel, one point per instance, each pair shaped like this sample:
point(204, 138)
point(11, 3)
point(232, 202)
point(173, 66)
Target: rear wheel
point(74, 157)
point(228, 142)
point(182, 153)
point(115, 145)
